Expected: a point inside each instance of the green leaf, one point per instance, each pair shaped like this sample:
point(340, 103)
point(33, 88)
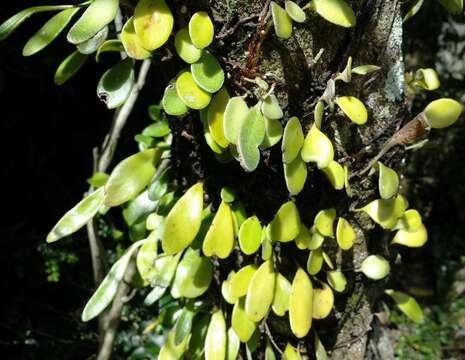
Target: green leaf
point(291, 353)
point(153, 22)
point(183, 221)
point(273, 133)
point(215, 117)
point(69, 67)
point(250, 234)
point(260, 292)
point(337, 280)
point(317, 148)
point(185, 48)
point(232, 350)
point(78, 216)
point(215, 340)
point(335, 11)
point(234, 114)
point(207, 72)
point(324, 222)
point(106, 291)
point(10, 25)
point(250, 137)
point(301, 304)
point(98, 179)
point(365, 69)
point(295, 11)
point(147, 255)
point(240, 322)
point(241, 280)
point(269, 354)
point(386, 212)
point(172, 103)
point(407, 304)
point(154, 295)
point(320, 351)
point(219, 239)
point(353, 108)
point(130, 177)
point(91, 45)
point(388, 183)
point(171, 351)
point(163, 269)
point(197, 340)
point(375, 267)
point(345, 234)
point(116, 84)
point(190, 93)
point(315, 261)
point(97, 15)
point(228, 195)
point(416, 238)
point(281, 296)
point(271, 108)
point(193, 275)
point(201, 29)
point(48, 32)
point(132, 43)
point(335, 174)
point(158, 129)
point(416, 6)
point(295, 174)
point(109, 46)
point(452, 6)
point(285, 225)
point(442, 113)
point(183, 325)
point(281, 21)
point(139, 208)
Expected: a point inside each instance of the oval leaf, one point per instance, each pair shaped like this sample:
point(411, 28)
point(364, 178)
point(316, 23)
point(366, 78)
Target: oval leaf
point(116, 84)
point(250, 137)
point(201, 29)
point(207, 73)
point(132, 43)
point(215, 341)
point(190, 93)
point(260, 292)
point(293, 140)
point(317, 148)
point(69, 67)
point(215, 117)
point(300, 304)
point(281, 21)
point(220, 236)
point(234, 114)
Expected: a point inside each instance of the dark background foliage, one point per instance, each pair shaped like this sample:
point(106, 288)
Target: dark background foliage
point(47, 135)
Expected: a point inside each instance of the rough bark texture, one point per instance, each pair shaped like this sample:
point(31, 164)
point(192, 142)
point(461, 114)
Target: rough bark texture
point(377, 39)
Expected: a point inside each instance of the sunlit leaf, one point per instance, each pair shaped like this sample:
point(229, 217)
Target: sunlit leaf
point(442, 113)
point(285, 225)
point(386, 212)
point(201, 29)
point(416, 238)
point(365, 69)
point(304, 238)
point(293, 140)
point(335, 174)
point(410, 221)
point(317, 148)
point(190, 93)
point(354, 109)
point(282, 293)
point(315, 261)
point(139, 208)
point(375, 267)
point(295, 11)
point(185, 48)
point(320, 351)
point(295, 174)
point(130, 177)
point(207, 72)
point(97, 15)
point(98, 179)
point(233, 117)
point(172, 103)
point(91, 45)
point(337, 280)
point(240, 281)
point(273, 133)
point(323, 301)
point(132, 43)
point(271, 109)
point(345, 234)
point(251, 135)
point(215, 117)
point(171, 351)
point(240, 322)
point(388, 183)
point(291, 353)
point(300, 304)
point(226, 289)
point(220, 236)
point(215, 340)
point(407, 304)
point(324, 222)
point(260, 292)
point(250, 234)
point(153, 23)
point(78, 216)
point(414, 8)
point(281, 21)
point(335, 11)
point(232, 350)
point(317, 239)
point(427, 79)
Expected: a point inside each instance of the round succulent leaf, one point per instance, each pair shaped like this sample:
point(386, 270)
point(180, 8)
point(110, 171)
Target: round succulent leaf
point(301, 304)
point(190, 93)
point(207, 72)
point(233, 117)
point(282, 293)
point(172, 103)
point(48, 32)
point(345, 234)
point(185, 48)
point(295, 174)
point(132, 43)
point(317, 239)
point(388, 181)
point(335, 174)
point(442, 113)
point(232, 350)
point(240, 322)
point(91, 45)
point(226, 289)
point(407, 304)
point(323, 301)
point(228, 194)
point(220, 236)
point(427, 79)
point(282, 21)
point(337, 280)
point(240, 281)
point(304, 238)
point(335, 11)
point(295, 11)
point(95, 17)
point(153, 23)
point(250, 234)
point(183, 221)
point(183, 325)
point(271, 108)
point(317, 148)
point(216, 338)
point(215, 117)
point(130, 177)
point(201, 29)
point(260, 292)
point(410, 221)
point(69, 66)
point(273, 133)
point(116, 84)
point(193, 275)
point(285, 225)
point(251, 135)
point(324, 222)
point(293, 140)
point(414, 239)
point(78, 216)
point(386, 212)
point(315, 261)
point(375, 267)
point(354, 109)
point(291, 353)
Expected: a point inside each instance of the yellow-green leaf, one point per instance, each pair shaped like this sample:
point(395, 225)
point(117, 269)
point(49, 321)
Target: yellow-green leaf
point(172, 103)
point(353, 108)
point(388, 182)
point(147, 255)
point(234, 344)
point(240, 281)
point(78, 216)
point(335, 11)
point(337, 280)
point(271, 109)
point(281, 21)
point(251, 135)
point(171, 351)
point(415, 238)
point(365, 69)
point(69, 66)
point(291, 353)
point(295, 174)
point(207, 73)
point(116, 84)
point(301, 304)
point(304, 238)
point(260, 292)
point(183, 221)
point(48, 32)
point(97, 15)
point(273, 133)
point(407, 304)
point(240, 322)
point(226, 289)
point(315, 261)
point(317, 148)
point(153, 23)
point(427, 79)
point(220, 236)
point(285, 225)
point(190, 93)
point(250, 234)
point(410, 221)
point(386, 212)
point(293, 140)
point(323, 301)
point(215, 117)
point(345, 234)
point(335, 174)
point(215, 341)
point(442, 113)
point(130, 177)
point(132, 43)
point(233, 117)
point(317, 239)
point(201, 29)
point(324, 222)
point(185, 48)
point(295, 11)
point(375, 267)
point(282, 293)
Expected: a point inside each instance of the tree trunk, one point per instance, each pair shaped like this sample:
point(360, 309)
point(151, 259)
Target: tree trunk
point(299, 82)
